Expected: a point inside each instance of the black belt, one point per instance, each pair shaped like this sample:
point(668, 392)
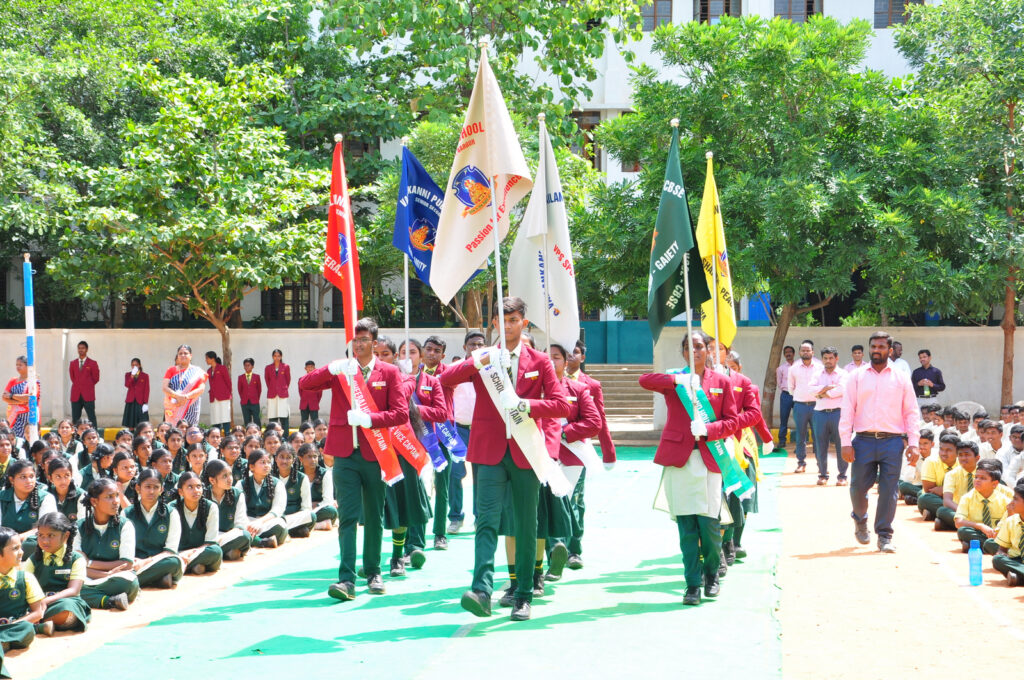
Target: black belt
point(879, 435)
point(804, 402)
point(827, 410)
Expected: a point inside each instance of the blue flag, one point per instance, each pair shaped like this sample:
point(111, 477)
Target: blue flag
point(416, 216)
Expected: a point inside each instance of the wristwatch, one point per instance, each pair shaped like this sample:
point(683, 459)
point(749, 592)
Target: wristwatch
point(523, 406)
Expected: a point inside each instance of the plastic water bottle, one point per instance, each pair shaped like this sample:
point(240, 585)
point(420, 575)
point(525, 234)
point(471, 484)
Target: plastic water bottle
point(974, 559)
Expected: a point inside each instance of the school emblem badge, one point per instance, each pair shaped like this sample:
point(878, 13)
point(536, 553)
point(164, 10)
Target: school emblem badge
point(421, 235)
point(162, 528)
point(14, 594)
point(472, 189)
point(342, 249)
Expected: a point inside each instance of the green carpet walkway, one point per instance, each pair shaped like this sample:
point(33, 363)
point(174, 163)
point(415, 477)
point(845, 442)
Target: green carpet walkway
point(621, 616)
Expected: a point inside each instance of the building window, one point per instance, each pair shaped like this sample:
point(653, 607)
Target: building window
point(657, 13)
point(588, 122)
point(892, 12)
point(797, 11)
point(290, 302)
point(712, 11)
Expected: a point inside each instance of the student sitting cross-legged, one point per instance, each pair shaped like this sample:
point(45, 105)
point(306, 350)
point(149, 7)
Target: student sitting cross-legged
point(933, 474)
point(957, 482)
point(910, 477)
point(1009, 540)
point(981, 508)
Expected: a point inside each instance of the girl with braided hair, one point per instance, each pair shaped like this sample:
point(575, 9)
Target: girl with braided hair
point(157, 534)
point(232, 536)
point(6, 458)
point(125, 471)
point(70, 445)
point(142, 450)
point(196, 456)
point(321, 487)
point(108, 543)
point(66, 493)
point(199, 518)
point(101, 457)
point(21, 600)
point(265, 501)
point(90, 439)
point(24, 501)
point(176, 445)
point(161, 462)
point(60, 572)
point(271, 441)
point(298, 511)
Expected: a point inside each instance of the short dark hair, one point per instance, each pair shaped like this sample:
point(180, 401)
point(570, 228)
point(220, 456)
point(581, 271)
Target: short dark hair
point(807, 342)
point(897, 342)
point(993, 467)
point(436, 340)
point(387, 342)
point(1006, 407)
point(705, 338)
point(958, 414)
point(967, 444)
point(581, 347)
point(881, 335)
point(924, 351)
point(414, 342)
point(1019, 491)
point(948, 438)
point(311, 363)
point(474, 334)
point(982, 413)
point(83, 343)
point(1017, 429)
point(857, 347)
point(555, 345)
point(366, 325)
point(789, 347)
point(927, 434)
point(829, 349)
point(511, 305)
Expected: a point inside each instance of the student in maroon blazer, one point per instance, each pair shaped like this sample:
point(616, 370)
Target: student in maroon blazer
point(85, 373)
point(250, 387)
point(499, 463)
point(693, 483)
point(278, 377)
point(137, 384)
point(604, 435)
point(309, 400)
point(220, 392)
point(357, 478)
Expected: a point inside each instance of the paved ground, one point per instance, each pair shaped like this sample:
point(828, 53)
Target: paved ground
point(619, 617)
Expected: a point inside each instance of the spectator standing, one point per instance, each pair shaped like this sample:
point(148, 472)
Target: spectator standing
point(785, 397)
point(250, 387)
point(828, 387)
point(927, 379)
point(136, 401)
point(309, 400)
point(801, 374)
point(278, 376)
point(220, 392)
point(85, 373)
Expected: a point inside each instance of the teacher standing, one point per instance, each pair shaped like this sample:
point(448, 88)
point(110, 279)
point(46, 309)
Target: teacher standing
point(184, 384)
point(878, 407)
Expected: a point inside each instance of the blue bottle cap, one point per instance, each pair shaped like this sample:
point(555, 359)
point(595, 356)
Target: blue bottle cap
point(975, 544)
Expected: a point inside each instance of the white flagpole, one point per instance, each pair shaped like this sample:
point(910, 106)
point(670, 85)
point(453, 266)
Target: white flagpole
point(351, 294)
point(714, 282)
point(32, 429)
point(405, 256)
point(542, 127)
point(689, 311)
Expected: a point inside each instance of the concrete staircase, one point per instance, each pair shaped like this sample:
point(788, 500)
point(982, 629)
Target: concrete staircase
point(629, 407)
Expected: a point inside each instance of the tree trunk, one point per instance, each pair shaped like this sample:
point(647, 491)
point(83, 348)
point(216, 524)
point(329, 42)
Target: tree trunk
point(774, 357)
point(117, 309)
point(1009, 326)
point(323, 287)
point(491, 309)
point(472, 309)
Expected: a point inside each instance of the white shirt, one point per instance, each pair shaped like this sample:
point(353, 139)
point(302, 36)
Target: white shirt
point(212, 520)
point(46, 506)
point(1013, 464)
point(464, 399)
point(126, 551)
point(902, 366)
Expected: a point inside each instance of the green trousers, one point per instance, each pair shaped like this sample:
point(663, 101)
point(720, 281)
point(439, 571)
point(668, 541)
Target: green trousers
point(98, 595)
point(441, 481)
point(18, 635)
point(239, 543)
point(327, 512)
point(700, 540)
point(947, 516)
point(359, 487)
point(1004, 564)
point(162, 567)
point(491, 482)
point(734, 531)
point(211, 558)
point(578, 507)
point(987, 545)
point(908, 490)
point(930, 502)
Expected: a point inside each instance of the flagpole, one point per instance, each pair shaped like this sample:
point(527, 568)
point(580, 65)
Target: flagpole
point(405, 257)
point(497, 265)
point(714, 277)
point(351, 294)
point(547, 269)
point(32, 430)
point(689, 310)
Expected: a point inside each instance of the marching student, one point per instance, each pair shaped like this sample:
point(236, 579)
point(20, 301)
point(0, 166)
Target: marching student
point(278, 377)
point(68, 496)
point(157, 534)
point(298, 511)
point(107, 540)
point(60, 572)
point(499, 462)
point(321, 487)
point(24, 501)
point(199, 519)
point(453, 474)
point(232, 536)
point(357, 474)
point(265, 500)
point(463, 406)
point(691, 478)
point(21, 599)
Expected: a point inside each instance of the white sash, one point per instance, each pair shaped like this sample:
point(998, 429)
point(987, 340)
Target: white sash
point(585, 451)
point(524, 428)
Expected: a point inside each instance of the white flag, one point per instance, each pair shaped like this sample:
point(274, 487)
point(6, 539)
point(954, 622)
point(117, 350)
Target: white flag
point(534, 262)
point(488, 146)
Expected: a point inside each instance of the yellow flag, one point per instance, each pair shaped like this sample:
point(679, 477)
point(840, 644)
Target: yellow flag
point(715, 260)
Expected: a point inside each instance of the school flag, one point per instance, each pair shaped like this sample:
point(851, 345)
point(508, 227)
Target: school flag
point(419, 207)
point(341, 259)
point(487, 146)
point(542, 254)
point(714, 259)
point(673, 236)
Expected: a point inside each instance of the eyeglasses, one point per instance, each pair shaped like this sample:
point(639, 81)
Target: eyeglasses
point(361, 340)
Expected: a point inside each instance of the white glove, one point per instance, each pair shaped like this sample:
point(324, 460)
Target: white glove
point(609, 466)
point(405, 365)
point(509, 400)
point(135, 370)
point(348, 367)
point(769, 443)
point(358, 418)
point(505, 360)
point(698, 428)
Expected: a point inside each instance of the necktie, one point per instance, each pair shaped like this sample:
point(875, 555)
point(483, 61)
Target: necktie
point(986, 513)
point(51, 560)
point(366, 371)
point(81, 364)
point(1020, 543)
point(430, 371)
point(970, 482)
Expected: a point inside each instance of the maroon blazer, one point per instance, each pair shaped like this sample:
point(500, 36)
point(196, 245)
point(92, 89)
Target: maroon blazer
point(309, 400)
point(433, 407)
point(138, 388)
point(548, 403)
point(449, 392)
point(677, 441)
point(220, 382)
point(249, 392)
point(389, 394)
point(748, 404)
point(604, 435)
point(583, 419)
point(83, 381)
point(277, 381)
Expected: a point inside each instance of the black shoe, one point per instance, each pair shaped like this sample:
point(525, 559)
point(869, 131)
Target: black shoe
point(551, 578)
point(375, 585)
point(269, 543)
point(300, 532)
point(692, 595)
point(345, 590)
point(167, 582)
point(1012, 579)
point(538, 584)
point(939, 526)
point(712, 587)
point(508, 597)
point(723, 568)
point(574, 562)
point(521, 610)
point(397, 568)
point(800, 467)
point(119, 602)
point(556, 561)
point(233, 554)
point(440, 543)
point(910, 500)
point(741, 552)
point(417, 558)
point(476, 603)
point(729, 550)
point(861, 532)
point(965, 546)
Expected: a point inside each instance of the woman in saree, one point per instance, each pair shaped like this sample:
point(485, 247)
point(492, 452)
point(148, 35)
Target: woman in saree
point(16, 395)
point(184, 385)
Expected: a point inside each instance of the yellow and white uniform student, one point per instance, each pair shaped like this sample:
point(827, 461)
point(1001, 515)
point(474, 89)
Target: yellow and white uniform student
point(981, 508)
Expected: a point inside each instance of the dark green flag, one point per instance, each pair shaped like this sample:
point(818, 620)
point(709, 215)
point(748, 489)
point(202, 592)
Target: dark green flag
point(673, 237)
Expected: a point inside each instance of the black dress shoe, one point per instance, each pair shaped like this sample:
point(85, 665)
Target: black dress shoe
point(538, 584)
point(1012, 579)
point(375, 585)
point(692, 595)
point(476, 603)
point(723, 568)
point(508, 597)
point(729, 550)
point(345, 590)
point(440, 543)
point(397, 567)
point(712, 587)
point(574, 562)
point(741, 552)
point(521, 610)
point(861, 532)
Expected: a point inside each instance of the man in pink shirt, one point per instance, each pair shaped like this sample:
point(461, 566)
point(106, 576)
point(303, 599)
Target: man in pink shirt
point(785, 398)
point(801, 373)
point(828, 388)
point(880, 408)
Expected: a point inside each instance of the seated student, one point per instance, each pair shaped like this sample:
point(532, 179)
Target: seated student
point(108, 542)
point(981, 508)
point(253, 430)
point(298, 511)
point(144, 429)
point(976, 420)
point(265, 501)
point(36, 452)
point(231, 453)
point(157, 534)
point(933, 474)
point(60, 572)
point(1012, 456)
point(24, 501)
point(962, 425)
point(142, 450)
point(910, 477)
point(195, 454)
point(161, 462)
point(123, 439)
point(21, 600)
point(199, 518)
point(160, 437)
point(320, 433)
point(70, 445)
point(125, 470)
point(957, 483)
point(211, 442)
point(321, 487)
point(991, 433)
point(271, 441)
point(231, 535)
point(307, 432)
point(102, 457)
point(68, 496)
point(90, 439)
point(1009, 540)
point(176, 446)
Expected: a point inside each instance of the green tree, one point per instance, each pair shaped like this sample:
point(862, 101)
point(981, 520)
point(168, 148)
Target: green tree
point(203, 207)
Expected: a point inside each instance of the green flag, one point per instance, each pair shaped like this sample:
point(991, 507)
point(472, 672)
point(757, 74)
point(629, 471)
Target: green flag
point(673, 237)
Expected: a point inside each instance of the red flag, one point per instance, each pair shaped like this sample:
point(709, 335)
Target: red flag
point(341, 261)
